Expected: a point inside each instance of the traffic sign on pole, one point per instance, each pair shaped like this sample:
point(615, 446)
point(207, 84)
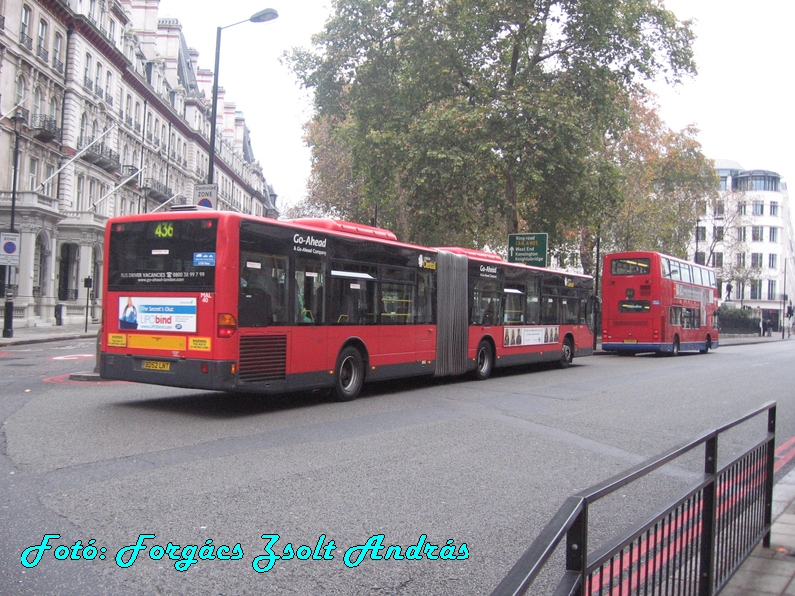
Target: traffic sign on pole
point(9, 248)
point(206, 195)
point(530, 249)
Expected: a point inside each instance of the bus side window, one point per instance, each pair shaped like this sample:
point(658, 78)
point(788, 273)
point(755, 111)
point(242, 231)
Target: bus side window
point(675, 316)
point(666, 267)
point(549, 310)
point(308, 292)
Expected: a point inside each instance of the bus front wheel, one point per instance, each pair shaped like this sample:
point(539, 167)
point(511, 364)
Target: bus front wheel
point(566, 354)
point(484, 361)
point(349, 376)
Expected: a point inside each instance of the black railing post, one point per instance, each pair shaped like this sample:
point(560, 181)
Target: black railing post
point(577, 547)
point(771, 460)
point(707, 565)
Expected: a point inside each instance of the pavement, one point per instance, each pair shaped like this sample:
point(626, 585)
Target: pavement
point(766, 572)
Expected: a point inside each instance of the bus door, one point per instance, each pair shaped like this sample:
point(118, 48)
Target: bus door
point(309, 352)
point(425, 318)
point(397, 293)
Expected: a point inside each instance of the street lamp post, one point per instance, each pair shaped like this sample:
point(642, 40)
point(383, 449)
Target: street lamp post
point(8, 312)
point(260, 17)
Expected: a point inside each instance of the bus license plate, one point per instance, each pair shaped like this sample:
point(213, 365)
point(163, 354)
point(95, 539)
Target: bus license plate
point(156, 365)
point(630, 341)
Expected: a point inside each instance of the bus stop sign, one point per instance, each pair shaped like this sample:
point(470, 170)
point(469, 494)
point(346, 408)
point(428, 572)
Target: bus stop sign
point(530, 249)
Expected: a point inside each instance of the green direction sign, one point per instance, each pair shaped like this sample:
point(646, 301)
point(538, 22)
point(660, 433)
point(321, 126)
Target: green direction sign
point(530, 249)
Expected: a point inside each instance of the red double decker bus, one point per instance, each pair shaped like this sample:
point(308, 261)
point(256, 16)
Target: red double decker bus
point(224, 301)
point(655, 303)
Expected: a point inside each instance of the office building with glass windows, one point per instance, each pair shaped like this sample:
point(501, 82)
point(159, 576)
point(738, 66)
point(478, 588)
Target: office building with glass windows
point(746, 234)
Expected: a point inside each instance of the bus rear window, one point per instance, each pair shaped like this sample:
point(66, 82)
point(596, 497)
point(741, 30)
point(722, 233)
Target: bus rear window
point(630, 266)
point(163, 256)
point(634, 306)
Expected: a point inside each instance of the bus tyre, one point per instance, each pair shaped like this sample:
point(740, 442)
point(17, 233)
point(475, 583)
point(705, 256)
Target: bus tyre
point(349, 375)
point(484, 361)
point(566, 354)
point(707, 345)
point(675, 347)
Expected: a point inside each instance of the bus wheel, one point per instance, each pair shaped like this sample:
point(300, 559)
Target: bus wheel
point(707, 345)
point(566, 354)
point(349, 375)
point(484, 361)
point(675, 349)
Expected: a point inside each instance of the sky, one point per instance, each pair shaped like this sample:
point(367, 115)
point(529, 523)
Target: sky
point(739, 100)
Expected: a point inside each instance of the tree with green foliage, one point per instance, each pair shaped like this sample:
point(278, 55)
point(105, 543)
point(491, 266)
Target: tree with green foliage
point(464, 121)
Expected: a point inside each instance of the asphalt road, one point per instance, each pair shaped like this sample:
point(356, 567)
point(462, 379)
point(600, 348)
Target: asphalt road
point(450, 462)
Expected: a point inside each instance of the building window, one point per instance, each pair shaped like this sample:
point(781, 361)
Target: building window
point(33, 174)
point(772, 260)
point(758, 208)
point(37, 102)
point(20, 92)
point(756, 260)
point(720, 209)
point(771, 290)
point(741, 234)
point(717, 260)
point(700, 257)
point(49, 170)
point(109, 86)
point(42, 41)
point(80, 186)
point(740, 259)
point(25, 26)
point(701, 233)
point(756, 289)
point(717, 232)
point(757, 234)
point(774, 208)
point(741, 208)
point(112, 31)
point(724, 183)
point(702, 207)
point(87, 73)
point(56, 48)
point(773, 234)
point(98, 79)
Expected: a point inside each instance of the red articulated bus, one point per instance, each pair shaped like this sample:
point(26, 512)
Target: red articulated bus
point(224, 301)
point(655, 303)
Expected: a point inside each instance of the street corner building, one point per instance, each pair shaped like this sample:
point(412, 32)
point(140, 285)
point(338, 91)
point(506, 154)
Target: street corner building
point(104, 111)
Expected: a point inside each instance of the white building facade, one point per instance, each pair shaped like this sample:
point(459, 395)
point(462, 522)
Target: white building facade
point(111, 83)
point(746, 234)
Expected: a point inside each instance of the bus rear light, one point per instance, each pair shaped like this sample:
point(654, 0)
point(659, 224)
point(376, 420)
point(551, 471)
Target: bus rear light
point(205, 368)
point(234, 368)
point(227, 325)
point(656, 334)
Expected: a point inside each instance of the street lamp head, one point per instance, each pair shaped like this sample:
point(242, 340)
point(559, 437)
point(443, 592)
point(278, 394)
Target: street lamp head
point(264, 15)
point(18, 118)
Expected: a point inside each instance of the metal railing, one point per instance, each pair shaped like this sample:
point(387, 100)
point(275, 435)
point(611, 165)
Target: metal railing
point(693, 546)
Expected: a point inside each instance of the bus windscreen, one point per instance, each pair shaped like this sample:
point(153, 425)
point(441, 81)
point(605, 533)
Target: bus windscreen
point(630, 266)
point(163, 256)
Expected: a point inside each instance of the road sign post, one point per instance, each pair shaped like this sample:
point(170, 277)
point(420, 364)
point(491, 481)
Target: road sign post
point(206, 195)
point(529, 249)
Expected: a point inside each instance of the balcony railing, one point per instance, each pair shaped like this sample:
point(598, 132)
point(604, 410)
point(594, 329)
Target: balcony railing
point(109, 98)
point(45, 127)
point(101, 155)
point(57, 65)
point(156, 189)
point(149, 137)
point(127, 171)
point(88, 84)
point(42, 53)
point(128, 120)
point(25, 40)
point(2, 21)
point(137, 127)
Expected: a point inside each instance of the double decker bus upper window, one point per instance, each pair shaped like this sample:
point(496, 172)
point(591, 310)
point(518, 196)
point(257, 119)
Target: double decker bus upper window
point(163, 256)
point(666, 267)
point(630, 266)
